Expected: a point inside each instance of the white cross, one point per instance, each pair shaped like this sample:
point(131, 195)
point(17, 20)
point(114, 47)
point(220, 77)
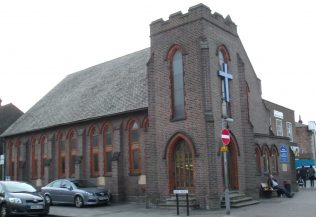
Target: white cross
point(225, 74)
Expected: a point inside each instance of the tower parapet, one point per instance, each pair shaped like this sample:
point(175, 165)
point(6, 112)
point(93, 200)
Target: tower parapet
point(196, 12)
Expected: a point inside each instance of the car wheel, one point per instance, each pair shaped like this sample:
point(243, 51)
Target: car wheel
point(4, 211)
point(78, 201)
point(48, 200)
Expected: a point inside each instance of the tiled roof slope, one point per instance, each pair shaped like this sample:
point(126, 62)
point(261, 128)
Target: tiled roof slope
point(8, 114)
point(113, 87)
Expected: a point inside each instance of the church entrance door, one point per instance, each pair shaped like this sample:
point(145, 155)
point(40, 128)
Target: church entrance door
point(181, 167)
point(232, 156)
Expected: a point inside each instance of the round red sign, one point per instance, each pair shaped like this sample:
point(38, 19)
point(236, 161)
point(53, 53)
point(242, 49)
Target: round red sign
point(225, 136)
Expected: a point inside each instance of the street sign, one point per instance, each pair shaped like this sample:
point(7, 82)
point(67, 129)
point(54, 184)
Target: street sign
point(224, 148)
point(225, 136)
point(283, 154)
point(184, 191)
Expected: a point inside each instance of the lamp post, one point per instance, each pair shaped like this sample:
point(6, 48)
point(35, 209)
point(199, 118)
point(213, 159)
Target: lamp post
point(226, 193)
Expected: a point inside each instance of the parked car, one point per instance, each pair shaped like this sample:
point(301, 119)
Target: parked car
point(75, 191)
point(21, 198)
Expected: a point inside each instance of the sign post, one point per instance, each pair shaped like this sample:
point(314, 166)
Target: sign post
point(226, 140)
point(182, 192)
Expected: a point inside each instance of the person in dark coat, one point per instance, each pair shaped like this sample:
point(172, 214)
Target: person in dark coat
point(273, 182)
point(311, 175)
point(303, 174)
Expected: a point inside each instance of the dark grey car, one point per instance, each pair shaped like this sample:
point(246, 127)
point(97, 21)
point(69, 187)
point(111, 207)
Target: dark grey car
point(75, 191)
point(20, 198)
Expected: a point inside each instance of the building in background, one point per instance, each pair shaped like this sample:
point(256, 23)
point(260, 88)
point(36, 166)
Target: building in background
point(306, 143)
point(8, 115)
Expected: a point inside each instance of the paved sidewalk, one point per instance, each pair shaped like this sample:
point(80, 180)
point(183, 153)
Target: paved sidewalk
point(303, 204)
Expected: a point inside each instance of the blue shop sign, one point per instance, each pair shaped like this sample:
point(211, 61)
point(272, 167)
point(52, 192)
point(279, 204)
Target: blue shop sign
point(283, 154)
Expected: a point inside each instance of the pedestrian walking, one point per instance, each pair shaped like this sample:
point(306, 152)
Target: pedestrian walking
point(311, 175)
point(303, 174)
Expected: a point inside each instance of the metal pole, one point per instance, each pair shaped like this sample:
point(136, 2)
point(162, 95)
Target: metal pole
point(227, 199)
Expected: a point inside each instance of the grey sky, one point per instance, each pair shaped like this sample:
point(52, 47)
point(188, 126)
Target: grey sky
point(43, 41)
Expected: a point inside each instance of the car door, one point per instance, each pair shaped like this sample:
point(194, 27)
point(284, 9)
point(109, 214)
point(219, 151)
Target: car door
point(54, 191)
point(66, 192)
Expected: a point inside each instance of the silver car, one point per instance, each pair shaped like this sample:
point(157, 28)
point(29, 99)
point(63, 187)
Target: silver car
point(75, 191)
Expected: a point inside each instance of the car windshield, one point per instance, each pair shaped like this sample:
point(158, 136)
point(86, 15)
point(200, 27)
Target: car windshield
point(83, 184)
point(15, 187)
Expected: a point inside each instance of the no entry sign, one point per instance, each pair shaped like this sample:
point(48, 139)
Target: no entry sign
point(225, 136)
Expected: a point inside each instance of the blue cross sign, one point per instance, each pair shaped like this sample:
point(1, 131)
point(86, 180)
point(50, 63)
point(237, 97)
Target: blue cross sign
point(225, 74)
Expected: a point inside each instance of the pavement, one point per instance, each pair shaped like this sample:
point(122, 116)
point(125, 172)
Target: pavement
point(303, 204)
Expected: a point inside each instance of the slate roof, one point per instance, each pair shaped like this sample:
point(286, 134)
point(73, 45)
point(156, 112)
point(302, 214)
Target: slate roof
point(113, 87)
point(8, 114)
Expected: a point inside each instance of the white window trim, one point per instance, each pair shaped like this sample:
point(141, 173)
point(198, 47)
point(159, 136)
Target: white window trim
point(279, 131)
point(289, 126)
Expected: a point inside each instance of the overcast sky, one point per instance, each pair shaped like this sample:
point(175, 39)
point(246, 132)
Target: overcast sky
point(43, 41)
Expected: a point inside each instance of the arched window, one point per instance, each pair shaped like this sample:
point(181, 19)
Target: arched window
point(72, 147)
point(34, 158)
point(17, 148)
point(265, 158)
point(11, 160)
point(177, 82)
point(94, 152)
point(43, 141)
point(258, 159)
point(61, 155)
point(274, 160)
point(134, 148)
point(108, 148)
point(223, 58)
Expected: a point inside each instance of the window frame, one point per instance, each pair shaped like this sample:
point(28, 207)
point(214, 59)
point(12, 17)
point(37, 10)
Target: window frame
point(94, 151)
point(258, 159)
point(279, 127)
point(289, 130)
point(134, 146)
point(274, 160)
point(61, 155)
point(175, 116)
point(108, 148)
point(34, 174)
point(72, 143)
point(266, 159)
point(222, 51)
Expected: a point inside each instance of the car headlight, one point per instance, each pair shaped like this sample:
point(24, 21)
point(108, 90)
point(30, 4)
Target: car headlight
point(15, 200)
point(89, 193)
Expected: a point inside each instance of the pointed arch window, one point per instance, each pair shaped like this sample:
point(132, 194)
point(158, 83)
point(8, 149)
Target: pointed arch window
point(134, 148)
point(108, 148)
point(61, 155)
point(94, 152)
point(43, 141)
point(11, 160)
point(274, 160)
point(258, 159)
point(265, 158)
point(17, 148)
point(34, 155)
point(223, 59)
point(175, 59)
point(72, 147)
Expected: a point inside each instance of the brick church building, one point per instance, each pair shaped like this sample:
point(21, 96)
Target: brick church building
point(149, 122)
